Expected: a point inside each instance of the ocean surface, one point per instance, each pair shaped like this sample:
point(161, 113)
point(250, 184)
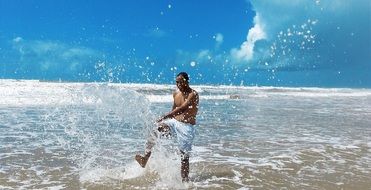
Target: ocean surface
point(85, 136)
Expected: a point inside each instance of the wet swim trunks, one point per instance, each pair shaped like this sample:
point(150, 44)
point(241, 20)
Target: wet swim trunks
point(184, 133)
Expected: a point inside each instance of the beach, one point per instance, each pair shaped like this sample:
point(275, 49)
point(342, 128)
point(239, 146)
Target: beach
point(56, 135)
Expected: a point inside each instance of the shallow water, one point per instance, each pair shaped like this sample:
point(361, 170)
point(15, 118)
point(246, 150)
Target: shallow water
point(84, 136)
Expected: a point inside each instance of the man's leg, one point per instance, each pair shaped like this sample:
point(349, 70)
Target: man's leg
point(165, 131)
point(184, 168)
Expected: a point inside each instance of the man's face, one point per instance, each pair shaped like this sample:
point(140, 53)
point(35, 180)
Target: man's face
point(181, 83)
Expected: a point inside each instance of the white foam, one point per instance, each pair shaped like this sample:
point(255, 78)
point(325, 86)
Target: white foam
point(169, 98)
point(345, 147)
point(201, 149)
point(160, 98)
point(96, 175)
point(133, 170)
point(31, 92)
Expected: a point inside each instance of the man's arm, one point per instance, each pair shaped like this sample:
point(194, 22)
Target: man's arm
point(180, 109)
point(174, 106)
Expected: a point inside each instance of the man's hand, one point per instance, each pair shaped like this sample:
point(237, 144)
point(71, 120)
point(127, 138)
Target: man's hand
point(162, 118)
point(167, 116)
point(159, 120)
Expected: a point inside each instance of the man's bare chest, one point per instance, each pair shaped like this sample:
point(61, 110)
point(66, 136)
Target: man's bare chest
point(179, 99)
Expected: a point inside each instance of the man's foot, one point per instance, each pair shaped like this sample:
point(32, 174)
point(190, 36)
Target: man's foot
point(142, 160)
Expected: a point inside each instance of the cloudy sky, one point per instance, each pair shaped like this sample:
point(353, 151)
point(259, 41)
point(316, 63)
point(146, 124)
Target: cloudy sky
point(324, 43)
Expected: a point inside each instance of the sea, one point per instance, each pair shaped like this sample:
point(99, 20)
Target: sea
point(64, 135)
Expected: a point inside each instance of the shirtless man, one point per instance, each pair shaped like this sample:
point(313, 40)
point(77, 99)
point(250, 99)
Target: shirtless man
point(179, 121)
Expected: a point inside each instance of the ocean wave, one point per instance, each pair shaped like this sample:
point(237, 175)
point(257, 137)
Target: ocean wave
point(32, 92)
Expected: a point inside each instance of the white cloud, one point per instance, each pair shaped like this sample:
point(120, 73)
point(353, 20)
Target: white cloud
point(246, 51)
point(219, 39)
point(77, 52)
point(203, 55)
point(307, 33)
point(201, 58)
point(17, 39)
point(52, 55)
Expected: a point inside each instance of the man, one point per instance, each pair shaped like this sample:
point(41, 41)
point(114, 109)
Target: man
point(179, 122)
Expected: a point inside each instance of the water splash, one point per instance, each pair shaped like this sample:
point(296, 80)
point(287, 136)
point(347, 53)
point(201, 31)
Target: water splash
point(96, 135)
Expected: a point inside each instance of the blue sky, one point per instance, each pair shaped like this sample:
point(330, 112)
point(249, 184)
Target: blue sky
point(268, 42)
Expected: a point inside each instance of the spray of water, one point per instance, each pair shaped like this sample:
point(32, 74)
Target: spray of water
point(101, 131)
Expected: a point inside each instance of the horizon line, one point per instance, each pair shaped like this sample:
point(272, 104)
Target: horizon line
point(170, 84)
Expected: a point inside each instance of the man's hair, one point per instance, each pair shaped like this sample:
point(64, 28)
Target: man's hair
point(184, 75)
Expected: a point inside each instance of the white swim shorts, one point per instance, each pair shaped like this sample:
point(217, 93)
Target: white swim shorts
point(184, 133)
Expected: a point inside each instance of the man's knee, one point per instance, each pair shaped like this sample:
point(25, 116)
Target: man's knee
point(164, 130)
point(184, 157)
point(159, 129)
point(162, 127)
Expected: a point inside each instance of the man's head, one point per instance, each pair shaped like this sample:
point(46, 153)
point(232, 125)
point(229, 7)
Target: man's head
point(182, 81)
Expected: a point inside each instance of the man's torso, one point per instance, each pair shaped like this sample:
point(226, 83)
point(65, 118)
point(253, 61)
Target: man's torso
point(188, 116)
